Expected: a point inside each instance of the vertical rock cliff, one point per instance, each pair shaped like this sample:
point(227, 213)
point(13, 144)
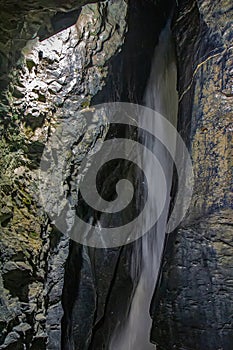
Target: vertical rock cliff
point(54, 62)
point(193, 303)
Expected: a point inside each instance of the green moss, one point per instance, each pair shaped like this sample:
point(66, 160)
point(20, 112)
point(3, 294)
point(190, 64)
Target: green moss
point(85, 104)
point(34, 235)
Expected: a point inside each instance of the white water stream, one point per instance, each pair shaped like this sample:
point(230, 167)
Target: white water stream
point(161, 95)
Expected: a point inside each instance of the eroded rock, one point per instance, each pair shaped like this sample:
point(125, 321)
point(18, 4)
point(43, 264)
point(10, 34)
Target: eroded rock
point(193, 305)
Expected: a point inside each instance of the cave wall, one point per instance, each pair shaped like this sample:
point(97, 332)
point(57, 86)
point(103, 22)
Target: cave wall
point(22, 21)
point(193, 304)
point(96, 61)
point(49, 81)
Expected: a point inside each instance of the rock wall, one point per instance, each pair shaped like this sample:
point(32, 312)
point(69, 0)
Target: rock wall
point(51, 80)
point(24, 20)
point(193, 304)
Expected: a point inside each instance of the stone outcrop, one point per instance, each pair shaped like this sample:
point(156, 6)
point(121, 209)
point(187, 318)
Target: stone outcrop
point(193, 304)
point(24, 20)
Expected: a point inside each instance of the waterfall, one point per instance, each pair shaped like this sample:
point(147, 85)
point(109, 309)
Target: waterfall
point(160, 95)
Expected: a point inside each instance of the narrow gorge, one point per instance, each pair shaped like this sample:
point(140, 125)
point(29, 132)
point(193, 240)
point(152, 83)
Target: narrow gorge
point(67, 282)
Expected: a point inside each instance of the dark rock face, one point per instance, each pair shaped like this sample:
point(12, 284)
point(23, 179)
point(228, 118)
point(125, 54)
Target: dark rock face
point(193, 303)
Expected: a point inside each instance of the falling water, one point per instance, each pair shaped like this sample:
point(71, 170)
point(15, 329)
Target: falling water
point(160, 95)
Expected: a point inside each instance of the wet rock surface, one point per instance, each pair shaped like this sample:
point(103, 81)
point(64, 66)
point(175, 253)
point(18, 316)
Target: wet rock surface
point(193, 304)
point(52, 80)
